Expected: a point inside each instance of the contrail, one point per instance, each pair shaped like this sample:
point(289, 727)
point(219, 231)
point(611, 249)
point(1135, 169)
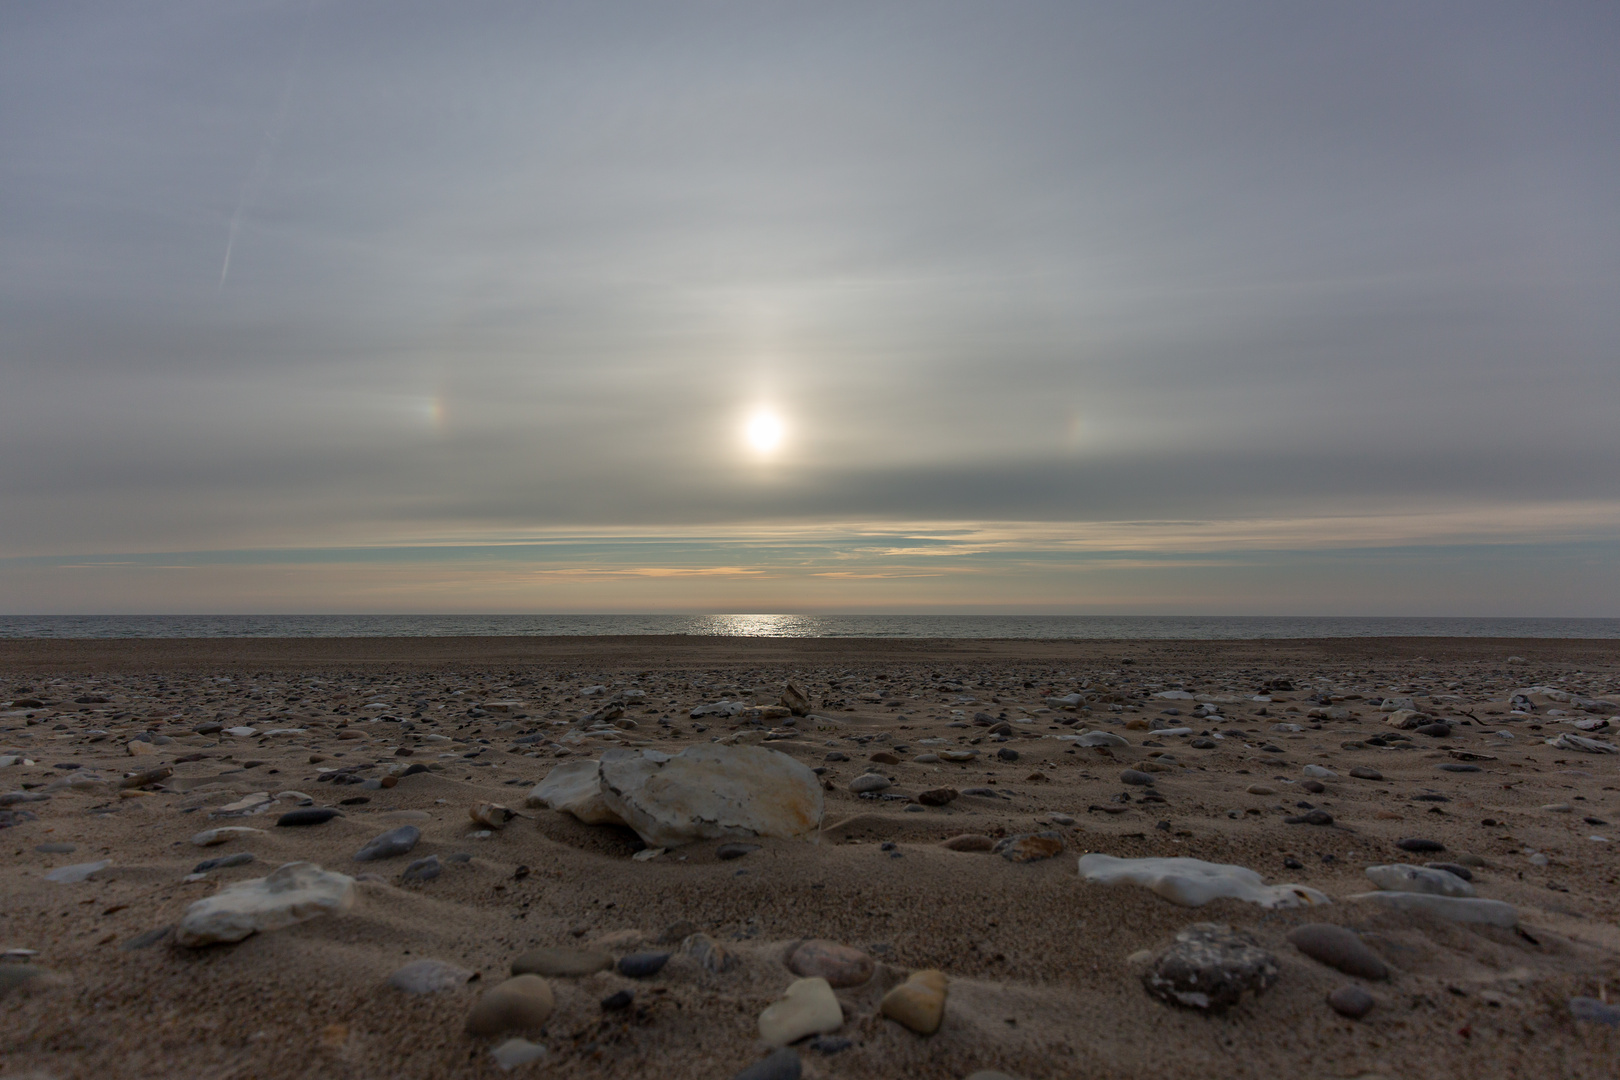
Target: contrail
point(267, 146)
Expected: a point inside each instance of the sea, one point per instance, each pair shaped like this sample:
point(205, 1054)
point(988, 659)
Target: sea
point(1078, 627)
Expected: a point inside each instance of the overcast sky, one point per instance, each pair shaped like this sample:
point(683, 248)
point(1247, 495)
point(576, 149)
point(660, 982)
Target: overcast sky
point(1238, 307)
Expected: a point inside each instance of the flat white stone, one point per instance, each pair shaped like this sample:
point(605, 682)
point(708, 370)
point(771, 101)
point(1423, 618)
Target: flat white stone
point(711, 792)
point(1455, 908)
point(1320, 772)
point(575, 787)
point(293, 893)
point(239, 731)
point(1194, 882)
point(1099, 738)
point(1174, 695)
point(1583, 745)
point(807, 1007)
point(515, 1052)
point(1400, 877)
point(225, 834)
point(72, 875)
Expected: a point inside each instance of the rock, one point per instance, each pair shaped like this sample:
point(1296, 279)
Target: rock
point(642, 965)
point(575, 787)
point(1452, 766)
point(72, 875)
point(958, 756)
point(1418, 844)
point(1007, 753)
point(830, 1046)
point(1315, 787)
point(1406, 719)
point(918, 1003)
point(1029, 847)
point(1101, 738)
point(710, 792)
point(319, 815)
point(619, 999)
point(148, 938)
point(517, 1052)
point(144, 777)
point(1594, 1011)
point(1351, 1001)
point(1363, 772)
point(521, 1003)
point(794, 699)
point(561, 962)
point(709, 954)
point(677, 932)
point(490, 815)
point(836, 755)
point(840, 965)
point(1194, 882)
point(55, 849)
point(391, 843)
point(293, 893)
point(1260, 789)
point(782, 1065)
point(727, 852)
point(1132, 776)
point(428, 977)
point(939, 796)
point(1338, 948)
point(1454, 869)
point(1582, 745)
point(1452, 908)
point(1434, 731)
point(869, 782)
point(883, 757)
point(1418, 879)
point(968, 842)
point(1210, 967)
point(423, 869)
point(1313, 817)
point(240, 858)
point(807, 1007)
point(1319, 772)
point(211, 837)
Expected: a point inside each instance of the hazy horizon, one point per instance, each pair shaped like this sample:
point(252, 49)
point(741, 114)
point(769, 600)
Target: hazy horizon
point(331, 306)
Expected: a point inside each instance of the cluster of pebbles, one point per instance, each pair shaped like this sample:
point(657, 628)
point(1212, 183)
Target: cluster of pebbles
point(1416, 848)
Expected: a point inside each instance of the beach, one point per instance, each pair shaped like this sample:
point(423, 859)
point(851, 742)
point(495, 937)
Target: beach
point(1306, 762)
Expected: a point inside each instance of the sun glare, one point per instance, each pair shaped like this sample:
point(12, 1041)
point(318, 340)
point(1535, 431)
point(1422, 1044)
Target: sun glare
point(764, 431)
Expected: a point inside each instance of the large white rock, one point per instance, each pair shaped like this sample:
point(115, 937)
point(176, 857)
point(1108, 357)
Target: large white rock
point(1455, 908)
point(294, 893)
point(1400, 877)
point(807, 1007)
point(711, 792)
point(575, 787)
point(1194, 882)
point(1583, 745)
point(1098, 738)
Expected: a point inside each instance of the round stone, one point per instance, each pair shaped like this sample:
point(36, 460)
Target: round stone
point(869, 782)
point(1363, 772)
point(1338, 948)
point(1351, 1001)
point(1132, 776)
point(840, 965)
point(1210, 967)
point(642, 965)
point(918, 1003)
point(1007, 753)
point(390, 844)
point(523, 1003)
point(562, 963)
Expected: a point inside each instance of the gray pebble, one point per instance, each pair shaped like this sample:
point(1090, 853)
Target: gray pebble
point(428, 977)
point(1210, 967)
point(1007, 753)
point(641, 965)
point(391, 843)
point(1594, 1011)
point(423, 869)
point(1351, 1001)
point(1452, 868)
point(782, 1065)
point(1338, 948)
point(1363, 772)
point(1315, 817)
point(1132, 776)
point(239, 858)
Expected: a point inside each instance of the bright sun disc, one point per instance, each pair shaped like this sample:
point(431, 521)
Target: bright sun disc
point(764, 431)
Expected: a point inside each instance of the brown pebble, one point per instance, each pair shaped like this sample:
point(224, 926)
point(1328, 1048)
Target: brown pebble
point(1351, 1001)
point(518, 1004)
point(840, 965)
point(969, 842)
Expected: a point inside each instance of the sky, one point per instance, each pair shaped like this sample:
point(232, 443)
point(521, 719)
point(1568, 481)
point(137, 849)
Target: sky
point(1247, 308)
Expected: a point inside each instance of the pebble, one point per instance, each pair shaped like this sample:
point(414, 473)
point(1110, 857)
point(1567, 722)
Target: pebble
point(1203, 744)
point(807, 1007)
point(830, 1046)
point(619, 999)
point(919, 1002)
point(55, 849)
point(1351, 1001)
point(240, 858)
point(677, 932)
point(836, 755)
point(1594, 1011)
point(1007, 753)
point(562, 962)
point(1029, 847)
point(1315, 787)
point(72, 875)
point(1418, 843)
point(927, 759)
point(883, 757)
point(314, 816)
point(1314, 817)
point(840, 965)
point(521, 1003)
point(428, 977)
point(643, 964)
point(869, 782)
point(939, 796)
point(726, 852)
point(1260, 789)
point(1362, 772)
point(148, 939)
point(1418, 879)
point(1319, 772)
point(1453, 868)
point(1210, 967)
point(391, 843)
point(782, 1065)
point(516, 1052)
point(423, 869)
point(969, 842)
point(1132, 776)
point(1454, 766)
point(1338, 948)
point(291, 894)
point(709, 954)
point(211, 837)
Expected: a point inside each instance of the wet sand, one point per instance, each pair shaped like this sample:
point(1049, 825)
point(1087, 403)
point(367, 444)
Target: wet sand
point(1044, 967)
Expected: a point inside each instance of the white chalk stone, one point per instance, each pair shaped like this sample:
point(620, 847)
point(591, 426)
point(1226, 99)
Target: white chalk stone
point(711, 793)
point(1400, 877)
point(225, 834)
point(1099, 738)
point(72, 875)
point(575, 787)
point(1455, 908)
point(294, 893)
point(1194, 882)
point(808, 1007)
point(1320, 772)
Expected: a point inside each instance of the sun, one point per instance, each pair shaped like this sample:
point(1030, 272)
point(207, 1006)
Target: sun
point(764, 431)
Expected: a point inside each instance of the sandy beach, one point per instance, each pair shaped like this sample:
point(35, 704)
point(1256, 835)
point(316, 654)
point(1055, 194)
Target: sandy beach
point(1492, 758)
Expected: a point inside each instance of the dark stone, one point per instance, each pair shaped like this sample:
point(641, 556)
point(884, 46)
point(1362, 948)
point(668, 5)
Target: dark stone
point(1594, 1011)
point(354, 800)
point(1417, 843)
point(423, 869)
point(1132, 776)
point(1457, 766)
point(391, 843)
point(1362, 772)
point(1203, 744)
point(1292, 863)
point(1452, 868)
point(1351, 1001)
point(10, 818)
point(616, 1001)
point(1029, 847)
point(937, 796)
point(212, 727)
point(642, 964)
point(1007, 753)
point(148, 939)
point(240, 858)
point(1315, 817)
point(829, 1045)
point(1210, 967)
point(1338, 948)
point(726, 852)
point(1434, 731)
point(782, 1065)
point(315, 815)
point(836, 755)
point(414, 770)
point(1315, 787)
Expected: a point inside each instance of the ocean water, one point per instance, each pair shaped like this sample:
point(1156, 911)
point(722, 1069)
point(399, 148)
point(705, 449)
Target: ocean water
point(1128, 627)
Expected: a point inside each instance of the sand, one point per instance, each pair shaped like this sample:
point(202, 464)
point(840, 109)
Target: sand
point(1044, 968)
